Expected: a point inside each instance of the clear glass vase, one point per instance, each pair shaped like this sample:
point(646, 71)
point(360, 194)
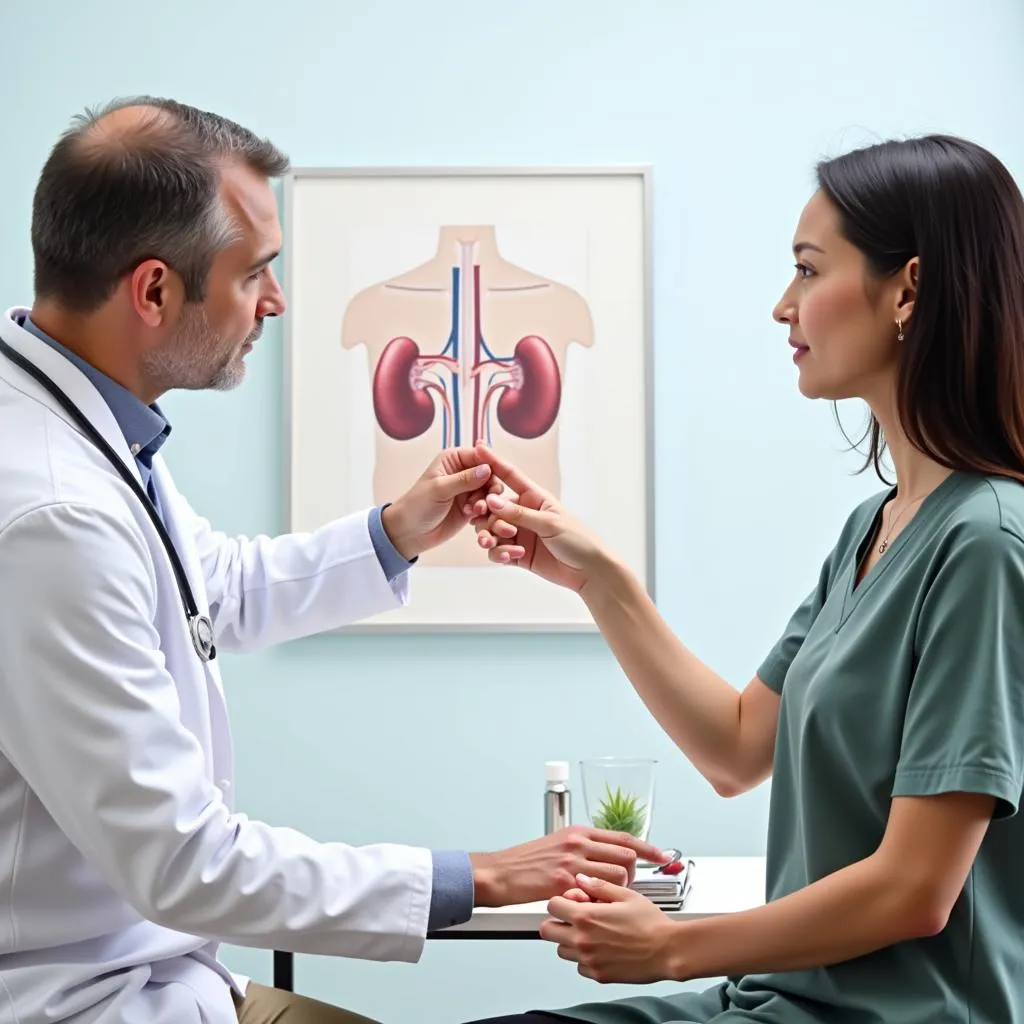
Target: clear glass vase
point(618, 793)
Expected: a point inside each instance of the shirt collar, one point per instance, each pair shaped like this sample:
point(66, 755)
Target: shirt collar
point(145, 427)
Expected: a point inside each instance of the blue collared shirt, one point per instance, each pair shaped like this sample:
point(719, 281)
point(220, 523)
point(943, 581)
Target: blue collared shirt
point(145, 428)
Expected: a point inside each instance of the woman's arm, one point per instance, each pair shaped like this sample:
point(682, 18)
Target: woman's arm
point(905, 890)
point(729, 737)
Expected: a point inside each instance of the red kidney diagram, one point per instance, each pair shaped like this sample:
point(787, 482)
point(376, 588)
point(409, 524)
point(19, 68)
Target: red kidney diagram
point(522, 391)
point(404, 409)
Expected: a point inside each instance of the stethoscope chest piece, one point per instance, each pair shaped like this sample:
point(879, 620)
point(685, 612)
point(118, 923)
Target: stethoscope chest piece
point(202, 636)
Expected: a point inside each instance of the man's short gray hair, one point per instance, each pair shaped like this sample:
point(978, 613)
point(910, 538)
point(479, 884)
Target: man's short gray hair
point(109, 199)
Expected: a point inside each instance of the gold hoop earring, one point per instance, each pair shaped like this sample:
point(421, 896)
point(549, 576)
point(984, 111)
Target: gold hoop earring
point(899, 326)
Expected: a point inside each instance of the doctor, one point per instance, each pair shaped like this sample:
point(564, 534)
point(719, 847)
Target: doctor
point(123, 862)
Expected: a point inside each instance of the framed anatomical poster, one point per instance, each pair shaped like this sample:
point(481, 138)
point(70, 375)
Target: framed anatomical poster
point(435, 307)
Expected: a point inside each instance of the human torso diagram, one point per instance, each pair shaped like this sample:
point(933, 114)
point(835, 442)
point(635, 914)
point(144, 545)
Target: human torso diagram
point(465, 347)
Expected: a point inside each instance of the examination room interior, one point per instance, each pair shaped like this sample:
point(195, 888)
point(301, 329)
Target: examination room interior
point(440, 739)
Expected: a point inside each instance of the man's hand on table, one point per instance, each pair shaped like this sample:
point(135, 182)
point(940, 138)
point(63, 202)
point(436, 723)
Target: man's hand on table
point(548, 867)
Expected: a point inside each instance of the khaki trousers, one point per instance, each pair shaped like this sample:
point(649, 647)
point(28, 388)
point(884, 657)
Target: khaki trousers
point(273, 1006)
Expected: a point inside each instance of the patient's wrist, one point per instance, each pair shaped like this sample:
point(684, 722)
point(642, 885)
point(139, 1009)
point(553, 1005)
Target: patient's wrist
point(607, 578)
point(676, 965)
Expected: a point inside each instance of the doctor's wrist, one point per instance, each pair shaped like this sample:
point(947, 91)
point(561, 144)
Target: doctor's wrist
point(487, 880)
point(403, 537)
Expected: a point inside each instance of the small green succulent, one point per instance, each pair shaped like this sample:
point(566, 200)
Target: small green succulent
point(621, 813)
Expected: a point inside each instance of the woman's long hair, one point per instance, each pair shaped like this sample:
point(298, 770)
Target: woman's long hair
point(960, 389)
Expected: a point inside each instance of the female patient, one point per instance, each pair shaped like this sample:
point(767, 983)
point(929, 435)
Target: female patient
point(890, 713)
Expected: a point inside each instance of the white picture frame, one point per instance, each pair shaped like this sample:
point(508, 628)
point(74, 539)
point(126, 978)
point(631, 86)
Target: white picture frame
point(428, 306)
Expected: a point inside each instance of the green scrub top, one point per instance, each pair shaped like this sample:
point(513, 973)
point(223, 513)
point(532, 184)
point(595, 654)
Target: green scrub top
point(906, 684)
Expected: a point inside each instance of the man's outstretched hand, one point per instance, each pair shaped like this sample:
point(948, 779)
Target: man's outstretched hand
point(432, 510)
point(548, 867)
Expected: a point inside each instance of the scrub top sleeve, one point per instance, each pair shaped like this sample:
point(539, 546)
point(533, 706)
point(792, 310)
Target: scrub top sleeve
point(773, 669)
point(964, 724)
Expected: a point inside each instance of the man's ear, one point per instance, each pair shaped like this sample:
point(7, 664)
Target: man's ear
point(156, 292)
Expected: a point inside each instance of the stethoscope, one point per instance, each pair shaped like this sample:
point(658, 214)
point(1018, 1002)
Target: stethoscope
point(199, 626)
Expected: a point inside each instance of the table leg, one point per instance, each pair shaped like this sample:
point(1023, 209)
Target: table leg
point(284, 971)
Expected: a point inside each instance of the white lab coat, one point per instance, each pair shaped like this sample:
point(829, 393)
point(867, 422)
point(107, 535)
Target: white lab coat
point(122, 859)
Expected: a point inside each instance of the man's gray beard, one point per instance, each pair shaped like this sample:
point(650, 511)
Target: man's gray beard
point(184, 361)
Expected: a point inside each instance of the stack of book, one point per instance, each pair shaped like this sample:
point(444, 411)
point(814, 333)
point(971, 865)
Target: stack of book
point(666, 891)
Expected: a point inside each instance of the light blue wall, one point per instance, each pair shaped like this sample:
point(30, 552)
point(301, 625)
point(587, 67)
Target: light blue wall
point(440, 740)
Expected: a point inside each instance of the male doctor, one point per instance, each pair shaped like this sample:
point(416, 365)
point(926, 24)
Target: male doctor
point(123, 862)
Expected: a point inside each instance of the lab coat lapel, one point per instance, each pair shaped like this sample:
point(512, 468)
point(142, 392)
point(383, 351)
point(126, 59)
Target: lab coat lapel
point(70, 379)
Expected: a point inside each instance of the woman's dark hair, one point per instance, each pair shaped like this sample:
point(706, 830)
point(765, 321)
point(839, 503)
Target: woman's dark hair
point(960, 389)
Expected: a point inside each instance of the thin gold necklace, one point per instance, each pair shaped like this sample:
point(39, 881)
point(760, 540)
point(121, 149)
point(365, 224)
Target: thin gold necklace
point(893, 521)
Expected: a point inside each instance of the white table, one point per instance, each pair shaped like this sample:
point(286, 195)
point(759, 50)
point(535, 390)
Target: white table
point(721, 885)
